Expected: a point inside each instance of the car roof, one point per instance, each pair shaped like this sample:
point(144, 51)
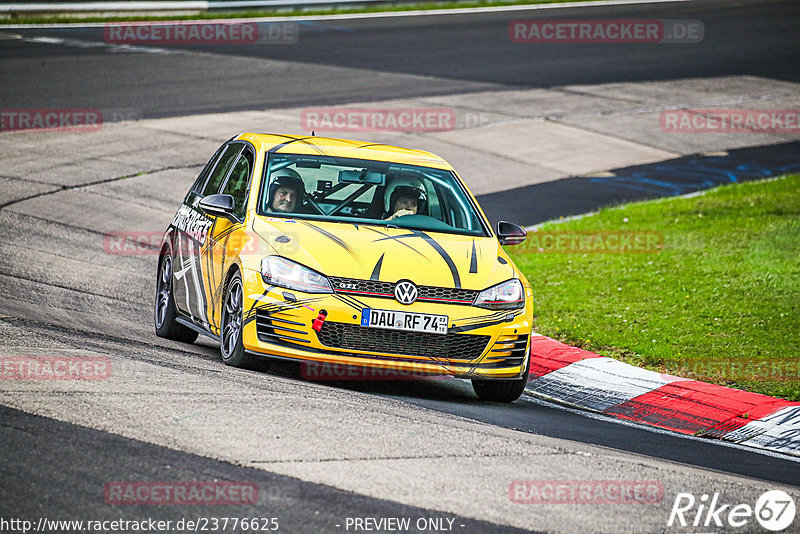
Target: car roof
point(330, 146)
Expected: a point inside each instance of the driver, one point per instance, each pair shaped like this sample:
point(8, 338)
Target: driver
point(404, 196)
point(286, 191)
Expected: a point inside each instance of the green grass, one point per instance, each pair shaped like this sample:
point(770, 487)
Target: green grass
point(720, 302)
point(277, 12)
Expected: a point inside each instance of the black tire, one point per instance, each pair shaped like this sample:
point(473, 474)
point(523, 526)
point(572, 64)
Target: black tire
point(165, 314)
point(502, 390)
point(230, 338)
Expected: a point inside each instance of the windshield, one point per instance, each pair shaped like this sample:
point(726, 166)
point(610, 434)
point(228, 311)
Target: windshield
point(362, 191)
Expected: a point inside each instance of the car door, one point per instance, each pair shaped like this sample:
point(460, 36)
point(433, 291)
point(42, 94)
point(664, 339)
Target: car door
point(226, 238)
point(192, 241)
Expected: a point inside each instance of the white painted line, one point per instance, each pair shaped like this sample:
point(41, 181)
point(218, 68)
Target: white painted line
point(76, 43)
point(412, 13)
point(29, 7)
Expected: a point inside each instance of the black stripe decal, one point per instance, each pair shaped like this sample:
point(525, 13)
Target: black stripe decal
point(476, 320)
point(362, 304)
point(347, 301)
point(466, 328)
point(333, 238)
point(225, 233)
point(445, 256)
point(274, 307)
point(376, 272)
point(473, 262)
point(398, 238)
point(281, 145)
point(370, 144)
point(264, 294)
point(211, 291)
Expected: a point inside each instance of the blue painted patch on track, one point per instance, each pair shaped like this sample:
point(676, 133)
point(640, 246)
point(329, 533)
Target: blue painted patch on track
point(574, 195)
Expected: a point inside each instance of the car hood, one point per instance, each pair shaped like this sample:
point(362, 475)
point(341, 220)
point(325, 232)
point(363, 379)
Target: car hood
point(388, 254)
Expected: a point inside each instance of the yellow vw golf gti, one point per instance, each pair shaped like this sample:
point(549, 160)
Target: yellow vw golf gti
point(335, 252)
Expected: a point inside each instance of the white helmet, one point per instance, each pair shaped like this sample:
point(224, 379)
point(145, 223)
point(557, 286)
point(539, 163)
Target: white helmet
point(404, 187)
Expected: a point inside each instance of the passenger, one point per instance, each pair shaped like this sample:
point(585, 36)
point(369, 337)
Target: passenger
point(404, 196)
point(287, 191)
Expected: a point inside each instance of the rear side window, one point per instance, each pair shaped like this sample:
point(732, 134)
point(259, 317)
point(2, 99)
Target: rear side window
point(203, 176)
point(237, 183)
point(221, 169)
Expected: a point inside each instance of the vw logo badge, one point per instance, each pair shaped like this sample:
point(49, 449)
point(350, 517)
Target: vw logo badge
point(405, 292)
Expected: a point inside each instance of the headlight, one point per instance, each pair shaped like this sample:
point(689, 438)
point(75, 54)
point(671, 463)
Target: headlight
point(281, 272)
point(508, 295)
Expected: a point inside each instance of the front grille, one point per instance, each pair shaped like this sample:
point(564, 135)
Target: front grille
point(376, 288)
point(446, 346)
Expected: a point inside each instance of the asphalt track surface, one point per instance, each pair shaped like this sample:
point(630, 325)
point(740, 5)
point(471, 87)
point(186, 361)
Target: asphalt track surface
point(30, 489)
point(446, 55)
point(395, 57)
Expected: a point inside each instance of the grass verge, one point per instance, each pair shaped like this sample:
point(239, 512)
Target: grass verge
point(278, 12)
point(718, 300)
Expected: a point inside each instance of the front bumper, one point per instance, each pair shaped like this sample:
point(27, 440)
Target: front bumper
point(479, 344)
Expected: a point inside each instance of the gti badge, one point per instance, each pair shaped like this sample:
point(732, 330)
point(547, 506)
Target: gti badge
point(405, 292)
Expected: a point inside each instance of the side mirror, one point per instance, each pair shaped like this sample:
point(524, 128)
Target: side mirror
point(510, 233)
point(221, 205)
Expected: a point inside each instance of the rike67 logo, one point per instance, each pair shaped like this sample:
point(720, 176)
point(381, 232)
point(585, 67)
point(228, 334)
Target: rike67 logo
point(774, 511)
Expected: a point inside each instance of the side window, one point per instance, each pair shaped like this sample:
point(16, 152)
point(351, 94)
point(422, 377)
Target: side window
point(201, 178)
point(434, 208)
point(237, 183)
point(221, 170)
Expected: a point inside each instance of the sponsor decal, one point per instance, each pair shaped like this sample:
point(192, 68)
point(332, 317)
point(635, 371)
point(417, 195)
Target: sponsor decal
point(192, 222)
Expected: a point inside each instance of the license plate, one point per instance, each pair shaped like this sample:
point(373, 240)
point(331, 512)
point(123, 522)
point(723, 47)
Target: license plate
point(408, 321)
